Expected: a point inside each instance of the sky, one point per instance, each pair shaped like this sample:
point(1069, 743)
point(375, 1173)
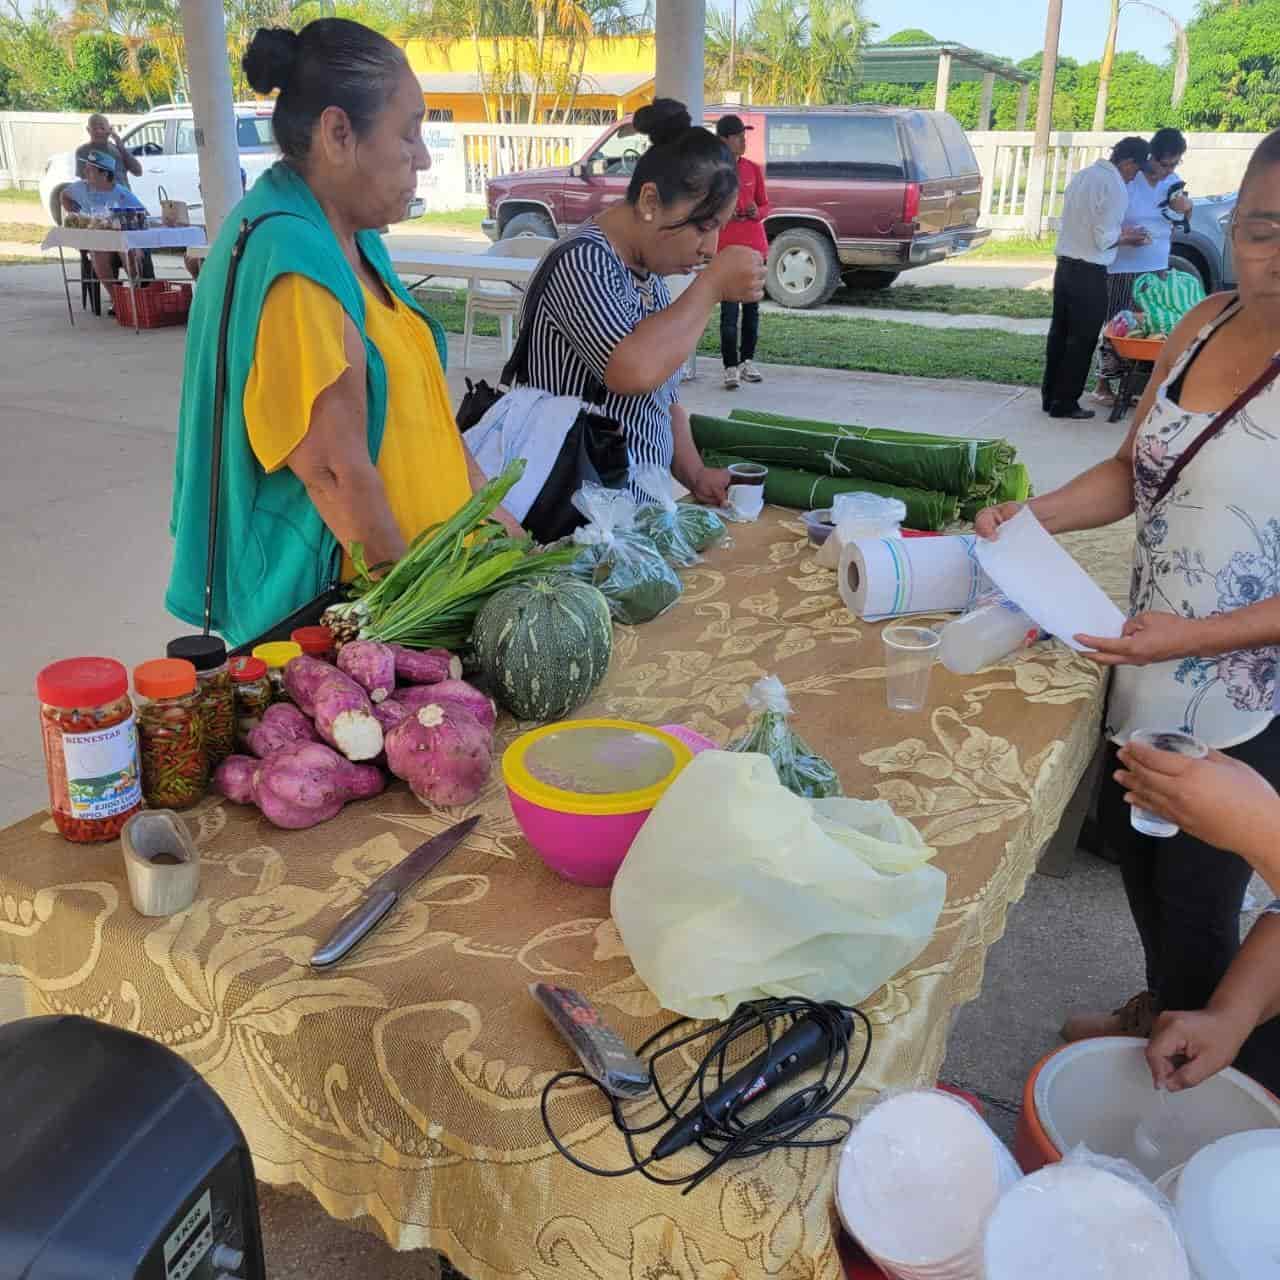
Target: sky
point(1016, 30)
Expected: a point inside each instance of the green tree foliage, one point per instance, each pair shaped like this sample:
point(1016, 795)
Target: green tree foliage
point(1234, 84)
point(912, 35)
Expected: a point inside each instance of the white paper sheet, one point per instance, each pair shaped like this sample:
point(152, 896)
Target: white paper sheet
point(1045, 582)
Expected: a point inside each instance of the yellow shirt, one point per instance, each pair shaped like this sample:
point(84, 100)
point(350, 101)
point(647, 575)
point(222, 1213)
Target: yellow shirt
point(299, 353)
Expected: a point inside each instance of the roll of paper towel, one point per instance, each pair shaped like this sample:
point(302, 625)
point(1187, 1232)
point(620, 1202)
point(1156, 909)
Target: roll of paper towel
point(888, 577)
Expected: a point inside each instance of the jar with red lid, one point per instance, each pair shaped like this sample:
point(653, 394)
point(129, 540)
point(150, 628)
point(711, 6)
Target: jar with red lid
point(316, 642)
point(175, 769)
point(253, 695)
point(90, 747)
point(208, 654)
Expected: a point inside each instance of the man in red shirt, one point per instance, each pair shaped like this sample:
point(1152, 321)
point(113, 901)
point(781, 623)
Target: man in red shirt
point(745, 227)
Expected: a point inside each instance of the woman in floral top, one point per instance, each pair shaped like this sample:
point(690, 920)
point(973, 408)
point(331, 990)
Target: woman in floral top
point(1199, 650)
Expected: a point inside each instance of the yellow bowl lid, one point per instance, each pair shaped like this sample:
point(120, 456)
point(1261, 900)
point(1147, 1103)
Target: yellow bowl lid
point(594, 767)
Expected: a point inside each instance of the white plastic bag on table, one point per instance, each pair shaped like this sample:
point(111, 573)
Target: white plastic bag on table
point(680, 530)
point(800, 769)
point(860, 515)
point(635, 580)
point(735, 889)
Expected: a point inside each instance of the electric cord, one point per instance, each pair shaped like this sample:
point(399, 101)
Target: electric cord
point(733, 1136)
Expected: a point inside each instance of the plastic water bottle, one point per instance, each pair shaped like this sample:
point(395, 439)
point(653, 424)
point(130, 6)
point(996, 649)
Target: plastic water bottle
point(994, 628)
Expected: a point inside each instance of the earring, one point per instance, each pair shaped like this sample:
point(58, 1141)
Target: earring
point(648, 217)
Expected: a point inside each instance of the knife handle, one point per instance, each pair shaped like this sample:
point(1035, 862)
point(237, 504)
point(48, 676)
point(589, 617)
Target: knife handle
point(352, 927)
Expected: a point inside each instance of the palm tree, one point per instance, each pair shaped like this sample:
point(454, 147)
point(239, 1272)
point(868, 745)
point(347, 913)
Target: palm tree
point(789, 52)
point(1180, 67)
point(128, 24)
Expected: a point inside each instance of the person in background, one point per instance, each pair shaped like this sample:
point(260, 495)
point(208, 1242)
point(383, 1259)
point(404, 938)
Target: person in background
point(97, 194)
point(745, 227)
point(606, 316)
point(1091, 230)
point(103, 138)
point(1199, 651)
point(1147, 192)
point(1226, 804)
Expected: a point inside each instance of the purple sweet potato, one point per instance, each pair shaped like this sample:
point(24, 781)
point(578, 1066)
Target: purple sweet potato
point(372, 665)
point(300, 785)
point(458, 692)
point(425, 666)
point(361, 781)
point(389, 713)
point(302, 677)
point(280, 725)
point(345, 719)
point(443, 752)
point(233, 778)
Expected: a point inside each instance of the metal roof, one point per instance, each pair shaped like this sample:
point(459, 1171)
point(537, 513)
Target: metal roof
point(918, 64)
point(612, 85)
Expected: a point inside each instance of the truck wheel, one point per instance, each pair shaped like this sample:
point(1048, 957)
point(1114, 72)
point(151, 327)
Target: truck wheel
point(1179, 263)
point(529, 224)
point(869, 279)
point(803, 269)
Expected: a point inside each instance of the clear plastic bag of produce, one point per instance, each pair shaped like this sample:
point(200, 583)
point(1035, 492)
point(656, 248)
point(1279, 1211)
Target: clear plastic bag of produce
point(800, 769)
point(680, 530)
point(625, 565)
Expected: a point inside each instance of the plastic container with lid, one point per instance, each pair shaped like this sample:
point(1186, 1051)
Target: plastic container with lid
point(252, 691)
point(316, 642)
point(171, 720)
point(90, 747)
point(208, 654)
point(277, 654)
point(582, 789)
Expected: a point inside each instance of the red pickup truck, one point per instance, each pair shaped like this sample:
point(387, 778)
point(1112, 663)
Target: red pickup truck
point(858, 194)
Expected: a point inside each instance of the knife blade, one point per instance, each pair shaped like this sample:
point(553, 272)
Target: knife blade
point(385, 892)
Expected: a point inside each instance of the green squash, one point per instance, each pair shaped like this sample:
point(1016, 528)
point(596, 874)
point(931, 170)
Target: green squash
point(544, 645)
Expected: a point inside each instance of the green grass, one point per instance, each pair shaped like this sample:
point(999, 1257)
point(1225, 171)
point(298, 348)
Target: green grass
point(873, 346)
point(22, 232)
point(1016, 247)
point(469, 218)
point(952, 300)
point(14, 195)
point(16, 260)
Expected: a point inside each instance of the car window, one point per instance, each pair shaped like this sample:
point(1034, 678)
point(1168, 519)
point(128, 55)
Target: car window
point(619, 152)
point(184, 138)
point(146, 139)
point(928, 154)
point(959, 152)
point(254, 133)
point(833, 146)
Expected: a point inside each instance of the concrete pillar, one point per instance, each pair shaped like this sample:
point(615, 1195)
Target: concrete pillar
point(214, 110)
point(1033, 211)
point(1024, 103)
point(944, 82)
point(984, 111)
point(680, 30)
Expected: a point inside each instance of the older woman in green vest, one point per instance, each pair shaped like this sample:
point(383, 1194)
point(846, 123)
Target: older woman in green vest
point(337, 425)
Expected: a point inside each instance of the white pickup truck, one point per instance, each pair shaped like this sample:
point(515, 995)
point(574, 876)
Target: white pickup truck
point(165, 142)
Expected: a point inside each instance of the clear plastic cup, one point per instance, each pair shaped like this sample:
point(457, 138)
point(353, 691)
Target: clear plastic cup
point(1182, 744)
point(909, 655)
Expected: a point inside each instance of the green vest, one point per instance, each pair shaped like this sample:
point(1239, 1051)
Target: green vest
point(274, 552)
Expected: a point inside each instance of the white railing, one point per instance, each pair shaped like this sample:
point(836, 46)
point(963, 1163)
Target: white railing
point(490, 151)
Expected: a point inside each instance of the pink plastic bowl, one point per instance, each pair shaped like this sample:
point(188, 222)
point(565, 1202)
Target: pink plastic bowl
point(584, 848)
point(695, 741)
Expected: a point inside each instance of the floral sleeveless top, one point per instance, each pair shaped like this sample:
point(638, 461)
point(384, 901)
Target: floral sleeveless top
point(1210, 546)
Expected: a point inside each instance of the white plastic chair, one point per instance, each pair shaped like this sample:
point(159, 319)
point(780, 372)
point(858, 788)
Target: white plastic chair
point(496, 297)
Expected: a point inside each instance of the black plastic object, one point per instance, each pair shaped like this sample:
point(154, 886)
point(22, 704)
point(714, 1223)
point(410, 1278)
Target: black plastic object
point(205, 653)
point(117, 1161)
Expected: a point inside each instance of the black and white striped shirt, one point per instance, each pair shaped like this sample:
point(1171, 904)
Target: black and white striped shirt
point(592, 302)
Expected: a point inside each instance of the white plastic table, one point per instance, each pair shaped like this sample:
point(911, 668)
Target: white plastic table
point(85, 240)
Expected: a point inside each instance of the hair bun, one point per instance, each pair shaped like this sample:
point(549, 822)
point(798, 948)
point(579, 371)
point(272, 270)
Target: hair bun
point(271, 57)
point(663, 120)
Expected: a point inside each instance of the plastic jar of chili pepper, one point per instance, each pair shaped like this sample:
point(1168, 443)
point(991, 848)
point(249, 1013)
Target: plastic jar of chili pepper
point(253, 695)
point(277, 654)
point(90, 747)
point(208, 654)
point(175, 769)
point(316, 642)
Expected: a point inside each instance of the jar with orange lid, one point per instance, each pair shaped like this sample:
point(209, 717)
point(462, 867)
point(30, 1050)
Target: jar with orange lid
point(316, 642)
point(90, 747)
point(171, 724)
point(253, 695)
point(277, 654)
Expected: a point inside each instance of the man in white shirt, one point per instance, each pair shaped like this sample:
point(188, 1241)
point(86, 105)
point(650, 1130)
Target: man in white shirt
point(1091, 231)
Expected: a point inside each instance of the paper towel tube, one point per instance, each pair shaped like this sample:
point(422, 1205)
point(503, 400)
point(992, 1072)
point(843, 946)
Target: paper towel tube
point(890, 577)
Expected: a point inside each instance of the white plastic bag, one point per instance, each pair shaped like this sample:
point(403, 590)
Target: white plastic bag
point(736, 889)
point(860, 515)
point(680, 530)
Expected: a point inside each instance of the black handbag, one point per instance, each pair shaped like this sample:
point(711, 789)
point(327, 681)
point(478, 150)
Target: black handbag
point(594, 449)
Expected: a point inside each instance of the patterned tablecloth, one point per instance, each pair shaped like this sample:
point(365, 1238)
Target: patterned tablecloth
point(404, 1085)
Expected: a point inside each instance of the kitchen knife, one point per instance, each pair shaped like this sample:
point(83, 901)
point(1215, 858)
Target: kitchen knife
point(385, 891)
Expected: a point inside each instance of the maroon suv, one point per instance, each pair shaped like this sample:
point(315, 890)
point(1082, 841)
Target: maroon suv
point(856, 193)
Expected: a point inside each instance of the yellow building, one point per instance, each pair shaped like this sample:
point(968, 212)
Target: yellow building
point(498, 80)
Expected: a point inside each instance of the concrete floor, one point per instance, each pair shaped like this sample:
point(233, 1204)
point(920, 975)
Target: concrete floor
point(87, 421)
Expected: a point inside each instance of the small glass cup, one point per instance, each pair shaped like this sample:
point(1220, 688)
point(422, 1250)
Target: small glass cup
point(748, 472)
point(909, 655)
point(1181, 744)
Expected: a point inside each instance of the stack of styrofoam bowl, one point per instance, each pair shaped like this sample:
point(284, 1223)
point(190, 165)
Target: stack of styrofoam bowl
point(916, 1181)
point(1228, 1199)
point(1074, 1219)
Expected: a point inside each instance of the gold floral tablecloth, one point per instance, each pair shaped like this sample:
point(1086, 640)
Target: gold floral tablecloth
point(404, 1085)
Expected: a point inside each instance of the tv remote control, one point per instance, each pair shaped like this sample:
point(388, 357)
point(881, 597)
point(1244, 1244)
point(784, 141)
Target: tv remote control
point(603, 1053)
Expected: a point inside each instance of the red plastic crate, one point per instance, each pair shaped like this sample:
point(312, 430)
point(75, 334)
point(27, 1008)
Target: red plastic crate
point(159, 302)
